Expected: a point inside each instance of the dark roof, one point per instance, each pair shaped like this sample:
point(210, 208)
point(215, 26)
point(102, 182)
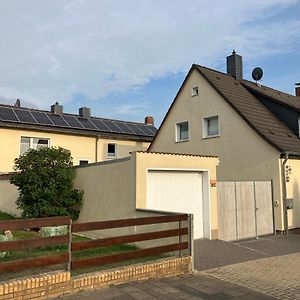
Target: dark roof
point(274, 95)
point(20, 117)
point(242, 97)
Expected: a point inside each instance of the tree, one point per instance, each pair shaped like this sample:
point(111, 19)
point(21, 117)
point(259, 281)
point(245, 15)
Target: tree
point(44, 178)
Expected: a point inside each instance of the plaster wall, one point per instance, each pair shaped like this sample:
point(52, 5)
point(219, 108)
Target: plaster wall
point(81, 147)
point(243, 154)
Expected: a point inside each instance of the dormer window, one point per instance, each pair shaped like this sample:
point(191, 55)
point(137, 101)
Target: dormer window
point(195, 91)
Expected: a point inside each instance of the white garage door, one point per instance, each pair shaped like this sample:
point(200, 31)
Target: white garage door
point(177, 191)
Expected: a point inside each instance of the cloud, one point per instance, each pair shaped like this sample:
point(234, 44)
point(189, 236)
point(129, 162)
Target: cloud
point(51, 50)
point(131, 109)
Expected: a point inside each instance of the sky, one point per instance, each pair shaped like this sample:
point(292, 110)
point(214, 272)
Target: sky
point(126, 59)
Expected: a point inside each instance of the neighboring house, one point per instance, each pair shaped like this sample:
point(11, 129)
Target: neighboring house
point(253, 129)
point(90, 139)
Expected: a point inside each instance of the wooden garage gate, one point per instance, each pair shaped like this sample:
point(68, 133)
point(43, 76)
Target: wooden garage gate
point(245, 209)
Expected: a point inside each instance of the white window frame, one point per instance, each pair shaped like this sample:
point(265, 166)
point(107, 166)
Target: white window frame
point(205, 128)
point(31, 141)
point(195, 91)
point(177, 133)
point(116, 151)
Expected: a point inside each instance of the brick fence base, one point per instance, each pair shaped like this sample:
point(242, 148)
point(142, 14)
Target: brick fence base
point(59, 283)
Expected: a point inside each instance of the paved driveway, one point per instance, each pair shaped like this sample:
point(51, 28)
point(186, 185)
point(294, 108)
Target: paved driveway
point(211, 254)
point(265, 269)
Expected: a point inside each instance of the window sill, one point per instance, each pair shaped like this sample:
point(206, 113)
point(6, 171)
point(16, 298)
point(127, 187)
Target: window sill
point(182, 141)
point(211, 137)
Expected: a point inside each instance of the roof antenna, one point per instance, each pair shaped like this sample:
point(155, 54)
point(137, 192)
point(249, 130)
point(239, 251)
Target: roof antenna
point(18, 103)
point(257, 75)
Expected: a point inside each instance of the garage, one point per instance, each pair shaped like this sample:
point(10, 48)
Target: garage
point(181, 191)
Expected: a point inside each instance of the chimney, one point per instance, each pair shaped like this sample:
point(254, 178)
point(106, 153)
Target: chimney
point(297, 89)
point(18, 103)
point(84, 112)
point(57, 109)
point(235, 65)
point(149, 121)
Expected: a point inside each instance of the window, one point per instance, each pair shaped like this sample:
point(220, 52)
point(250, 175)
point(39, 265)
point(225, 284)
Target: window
point(111, 150)
point(182, 131)
point(83, 162)
point(211, 127)
point(32, 143)
point(195, 91)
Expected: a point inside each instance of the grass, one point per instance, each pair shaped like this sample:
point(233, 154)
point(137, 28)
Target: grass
point(56, 249)
point(5, 216)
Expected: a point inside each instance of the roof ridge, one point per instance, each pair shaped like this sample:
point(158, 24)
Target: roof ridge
point(268, 87)
point(213, 70)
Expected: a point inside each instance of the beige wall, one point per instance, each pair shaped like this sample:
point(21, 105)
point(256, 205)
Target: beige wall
point(293, 191)
point(145, 161)
point(109, 190)
point(243, 154)
point(114, 189)
point(124, 148)
point(81, 147)
point(8, 196)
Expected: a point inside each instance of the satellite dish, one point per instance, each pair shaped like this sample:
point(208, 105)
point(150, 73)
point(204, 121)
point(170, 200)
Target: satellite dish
point(257, 73)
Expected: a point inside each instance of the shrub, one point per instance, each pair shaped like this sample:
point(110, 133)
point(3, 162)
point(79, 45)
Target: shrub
point(44, 178)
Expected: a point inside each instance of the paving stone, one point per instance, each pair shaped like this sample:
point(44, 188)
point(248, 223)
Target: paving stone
point(276, 276)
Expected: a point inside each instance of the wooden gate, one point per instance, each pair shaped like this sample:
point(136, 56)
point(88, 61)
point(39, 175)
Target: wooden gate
point(245, 209)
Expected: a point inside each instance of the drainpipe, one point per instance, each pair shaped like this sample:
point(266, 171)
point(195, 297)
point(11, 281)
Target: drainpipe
point(284, 193)
point(96, 148)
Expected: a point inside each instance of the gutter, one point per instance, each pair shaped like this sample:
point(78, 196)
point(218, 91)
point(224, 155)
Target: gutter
point(284, 192)
point(96, 148)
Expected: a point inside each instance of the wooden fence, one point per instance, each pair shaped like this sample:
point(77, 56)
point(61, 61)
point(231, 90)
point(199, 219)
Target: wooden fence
point(34, 243)
point(182, 221)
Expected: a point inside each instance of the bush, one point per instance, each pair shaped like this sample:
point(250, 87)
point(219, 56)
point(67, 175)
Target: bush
point(44, 178)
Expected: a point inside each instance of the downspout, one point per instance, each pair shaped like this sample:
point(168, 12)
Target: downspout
point(96, 148)
point(284, 193)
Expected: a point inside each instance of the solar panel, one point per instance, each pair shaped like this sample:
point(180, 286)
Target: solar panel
point(144, 128)
point(72, 121)
point(58, 120)
point(112, 126)
point(100, 125)
point(41, 118)
point(124, 127)
point(136, 129)
point(87, 124)
point(152, 129)
point(24, 116)
point(7, 114)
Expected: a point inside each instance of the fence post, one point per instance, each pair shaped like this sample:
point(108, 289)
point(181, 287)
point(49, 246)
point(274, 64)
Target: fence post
point(180, 238)
point(70, 246)
point(191, 238)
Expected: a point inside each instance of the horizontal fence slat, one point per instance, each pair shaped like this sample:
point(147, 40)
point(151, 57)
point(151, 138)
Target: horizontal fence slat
point(34, 243)
point(80, 227)
point(33, 263)
point(33, 223)
point(84, 263)
point(128, 239)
